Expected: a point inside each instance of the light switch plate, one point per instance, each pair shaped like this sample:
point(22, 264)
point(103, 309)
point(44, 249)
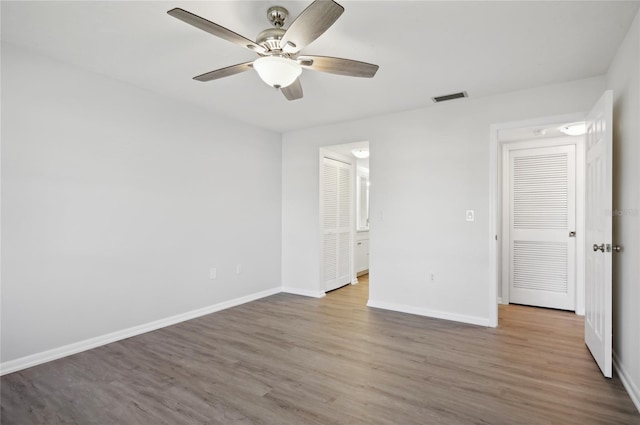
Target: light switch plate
point(470, 215)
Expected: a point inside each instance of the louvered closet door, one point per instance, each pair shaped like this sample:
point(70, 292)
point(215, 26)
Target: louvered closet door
point(336, 222)
point(542, 215)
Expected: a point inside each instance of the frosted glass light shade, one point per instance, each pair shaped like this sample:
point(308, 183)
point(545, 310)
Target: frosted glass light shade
point(277, 71)
point(575, 129)
point(360, 153)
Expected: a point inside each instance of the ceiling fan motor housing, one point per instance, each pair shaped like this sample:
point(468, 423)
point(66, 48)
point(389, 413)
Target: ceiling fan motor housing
point(270, 38)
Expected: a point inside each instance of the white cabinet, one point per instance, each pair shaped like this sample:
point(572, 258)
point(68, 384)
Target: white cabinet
point(362, 253)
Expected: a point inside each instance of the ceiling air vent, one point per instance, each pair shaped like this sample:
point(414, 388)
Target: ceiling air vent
point(451, 96)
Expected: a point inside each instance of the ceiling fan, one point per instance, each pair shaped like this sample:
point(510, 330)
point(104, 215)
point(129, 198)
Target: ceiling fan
point(280, 63)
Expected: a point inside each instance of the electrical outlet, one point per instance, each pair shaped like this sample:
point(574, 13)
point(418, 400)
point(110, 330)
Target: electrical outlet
point(432, 277)
point(213, 273)
point(470, 215)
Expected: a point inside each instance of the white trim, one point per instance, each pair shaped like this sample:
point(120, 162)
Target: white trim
point(494, 217)
point(303, 292)
point(500, 300)
point(581, 254)
point(473, 320)
point(504, 192)
point(88, 344)
point(494, 263)
point(352, 238)
point(627, 382)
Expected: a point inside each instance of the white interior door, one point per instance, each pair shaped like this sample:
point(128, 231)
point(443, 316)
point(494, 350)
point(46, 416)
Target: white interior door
point(336, 223)
point(599, 151)
point(542, 224)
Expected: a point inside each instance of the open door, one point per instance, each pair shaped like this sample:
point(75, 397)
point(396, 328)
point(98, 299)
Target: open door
point(598, 218)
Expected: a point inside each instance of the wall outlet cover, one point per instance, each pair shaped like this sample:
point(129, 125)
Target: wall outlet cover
point(470, 214)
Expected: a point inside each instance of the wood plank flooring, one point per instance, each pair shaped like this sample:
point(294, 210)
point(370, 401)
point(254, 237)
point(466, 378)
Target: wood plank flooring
point(288, 359)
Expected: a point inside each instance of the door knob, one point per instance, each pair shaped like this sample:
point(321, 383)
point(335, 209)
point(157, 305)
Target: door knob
point(597, 248)
point(616, 248)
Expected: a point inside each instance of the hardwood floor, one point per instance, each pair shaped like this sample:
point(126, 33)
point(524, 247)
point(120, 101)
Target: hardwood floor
point(288, 359)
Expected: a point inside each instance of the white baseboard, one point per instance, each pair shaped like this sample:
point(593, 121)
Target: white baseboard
point(500, 300)
point(473, 320)
point(303, 292)
point(627, 382)
point(88, 344)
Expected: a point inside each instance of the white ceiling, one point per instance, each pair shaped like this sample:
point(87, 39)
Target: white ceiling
point(424, 49)
point(346, 148)
point(548, 131)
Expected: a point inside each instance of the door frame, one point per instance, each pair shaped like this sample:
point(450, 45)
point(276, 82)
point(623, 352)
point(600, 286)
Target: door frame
point(503, 213)
point(495, 201)
point(325, 153)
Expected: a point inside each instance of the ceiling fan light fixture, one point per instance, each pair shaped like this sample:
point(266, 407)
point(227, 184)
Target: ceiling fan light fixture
point(360, 153)
point(279, 64)
point(277, 71)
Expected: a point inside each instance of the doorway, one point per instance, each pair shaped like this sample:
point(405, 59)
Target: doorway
point(344, 215)
point(535, 133)
point(598, 246)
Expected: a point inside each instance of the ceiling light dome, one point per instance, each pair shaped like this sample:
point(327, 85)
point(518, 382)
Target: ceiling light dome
point(360, 153)
point(575, 129)
point(277, 71)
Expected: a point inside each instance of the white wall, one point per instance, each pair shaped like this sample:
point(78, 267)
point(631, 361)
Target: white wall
point(427, 167)
point(624, 78)
point(116, 202)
